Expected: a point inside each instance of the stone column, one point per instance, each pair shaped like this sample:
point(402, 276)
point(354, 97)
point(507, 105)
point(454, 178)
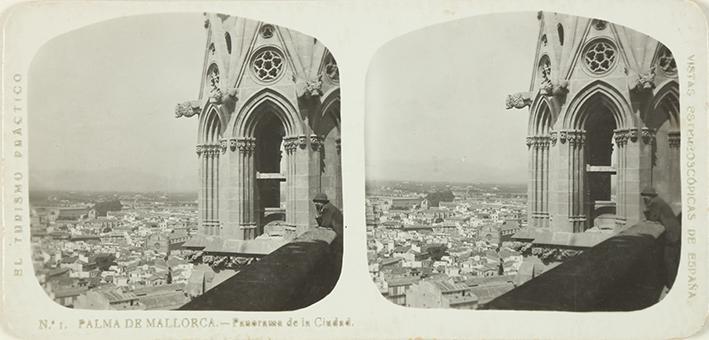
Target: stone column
point(531, 185)
point(638, 171)
point(306, 180)
point(247, 223)
point(290, 144)
point(567, 199)
point(229, 192)
point(544, 190)
point(675, 199)
point(577, 172)
point(200, 194)
point(338, 173)
point(621, 137)
point(208, 189)
point(538, 189)
point(215, 188)
point(552, 180)
point(537, 180)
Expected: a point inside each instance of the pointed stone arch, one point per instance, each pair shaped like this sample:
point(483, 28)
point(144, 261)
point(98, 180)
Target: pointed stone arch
point(598, 92)
point(328, 128)
point(211, 125)
point(538, 143)
point(540, 121)
point(209, 149)
point(666, 99)
point(662, 120)
point(266, 99)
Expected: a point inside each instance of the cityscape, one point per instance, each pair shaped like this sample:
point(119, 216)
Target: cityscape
point(243, 168)
point(591, 133)
point(120, 250)
point(446, 245)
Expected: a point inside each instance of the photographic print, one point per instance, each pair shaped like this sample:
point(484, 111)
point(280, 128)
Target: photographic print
point(185, 161)
point(531, 162)
point(175, 169)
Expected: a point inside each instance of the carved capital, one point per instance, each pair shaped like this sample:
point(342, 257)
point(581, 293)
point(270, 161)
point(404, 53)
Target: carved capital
point(621, 137)
point(246, 145)
point(575, 137)
point(187, 109)
point(530, 141)
point(199, 150)
point(674, 138)
point(232, 144)
point(290, 144)
point(338, 145)
point(518, 100)
point(563, 136)
point(302, 141)
point(553, 135)
point(633, 135)
point(223, 145)
point(315, 142)
point(647, 135)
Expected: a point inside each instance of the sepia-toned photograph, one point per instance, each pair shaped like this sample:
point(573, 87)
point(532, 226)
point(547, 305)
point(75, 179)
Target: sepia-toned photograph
point(523, 161)
point(511, 170)
point(185, 161)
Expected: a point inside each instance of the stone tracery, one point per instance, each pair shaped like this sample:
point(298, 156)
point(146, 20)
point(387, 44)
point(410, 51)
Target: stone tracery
point(267, 64)
point(600, 56)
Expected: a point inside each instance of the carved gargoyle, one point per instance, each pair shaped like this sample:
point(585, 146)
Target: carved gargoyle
point(309, 87)
point(187, 109)
point(518, 100)
point(641, 81)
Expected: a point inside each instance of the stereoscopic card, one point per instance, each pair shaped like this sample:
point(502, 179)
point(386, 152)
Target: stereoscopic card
point(509, 170)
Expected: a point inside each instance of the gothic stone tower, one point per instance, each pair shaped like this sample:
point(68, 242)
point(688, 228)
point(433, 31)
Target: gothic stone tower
point(603, 124)
point(268, 128)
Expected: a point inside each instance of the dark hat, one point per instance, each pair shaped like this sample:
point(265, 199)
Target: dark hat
point(648, 191)
point(321, 197)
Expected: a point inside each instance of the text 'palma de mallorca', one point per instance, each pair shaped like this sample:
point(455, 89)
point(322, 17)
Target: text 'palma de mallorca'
point(603, 126)
point(268, 120)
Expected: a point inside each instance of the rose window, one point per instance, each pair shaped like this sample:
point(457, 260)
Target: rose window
point(667, 62)
point(267, 65)
point(331, 69)
point(600, 56)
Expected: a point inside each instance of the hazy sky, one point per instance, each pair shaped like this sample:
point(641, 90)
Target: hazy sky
point(436, 101)
point(102, 98)
point(101, 105)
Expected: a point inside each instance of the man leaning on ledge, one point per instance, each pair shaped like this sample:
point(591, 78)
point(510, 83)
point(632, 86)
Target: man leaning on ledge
point(328, 216)
point(657, 210)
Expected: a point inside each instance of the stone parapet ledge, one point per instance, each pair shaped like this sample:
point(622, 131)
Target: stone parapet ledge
point(294, 276)
point(647, 228)
point(622, 273)
point(317, 234)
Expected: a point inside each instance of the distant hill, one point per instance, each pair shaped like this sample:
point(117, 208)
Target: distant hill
point(115, 179)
